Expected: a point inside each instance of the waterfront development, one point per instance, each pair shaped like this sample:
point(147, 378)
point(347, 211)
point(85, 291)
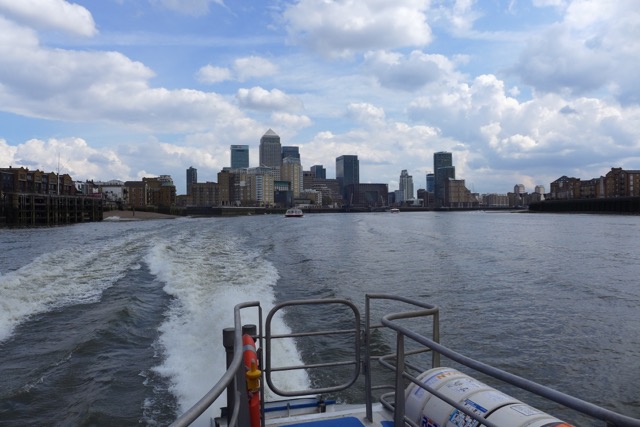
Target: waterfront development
point(119, 322)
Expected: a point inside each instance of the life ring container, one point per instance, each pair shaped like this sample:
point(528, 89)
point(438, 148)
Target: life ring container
point(252, 374)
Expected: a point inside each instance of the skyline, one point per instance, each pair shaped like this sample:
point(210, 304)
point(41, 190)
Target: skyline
point(520, 92)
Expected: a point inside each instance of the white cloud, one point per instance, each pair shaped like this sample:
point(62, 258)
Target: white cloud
point(366, 114)
point(74, 155)
point(98, 86)
point(410, 73)
point(290, 121)
point(258, 98)
point(593, 50)
point(50, 15)
point(342, 28)
point(253, 66)
point(211, 74)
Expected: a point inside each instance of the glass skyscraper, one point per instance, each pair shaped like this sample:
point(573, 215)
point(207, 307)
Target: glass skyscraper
point(239, 156)
point(443, 170)
point(348, 175)
point(192, 178)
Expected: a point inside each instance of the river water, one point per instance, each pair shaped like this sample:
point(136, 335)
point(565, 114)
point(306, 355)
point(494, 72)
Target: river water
point(119, 322)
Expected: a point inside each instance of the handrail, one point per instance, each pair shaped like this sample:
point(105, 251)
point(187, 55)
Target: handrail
point(268, 343)
point(207, 400)
point(613, 419)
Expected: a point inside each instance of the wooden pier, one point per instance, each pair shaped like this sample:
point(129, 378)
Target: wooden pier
point(28, 209)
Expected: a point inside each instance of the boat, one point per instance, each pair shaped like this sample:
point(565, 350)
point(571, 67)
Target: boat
point(410, 386)
point(294, 213)
point(394, 210)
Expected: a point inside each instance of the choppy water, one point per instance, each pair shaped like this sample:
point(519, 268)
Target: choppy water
point(119, 323)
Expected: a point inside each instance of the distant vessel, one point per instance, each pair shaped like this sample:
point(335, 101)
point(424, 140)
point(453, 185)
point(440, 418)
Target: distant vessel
point(294, 213)
point(394, 210)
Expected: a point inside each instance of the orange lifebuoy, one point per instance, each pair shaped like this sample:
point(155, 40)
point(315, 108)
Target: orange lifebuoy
point(253, 378)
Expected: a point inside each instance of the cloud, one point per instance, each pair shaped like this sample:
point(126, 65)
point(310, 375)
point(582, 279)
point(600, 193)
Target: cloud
point(242, 69)
point(342, 28)
point(291, 121)
point(365, 113)
point(258, 98)
point(396, 71)
point(98, 86)
point(592, 50)
point(211, 74)
point(74, 155)
point(253, 66)
point(50, 15)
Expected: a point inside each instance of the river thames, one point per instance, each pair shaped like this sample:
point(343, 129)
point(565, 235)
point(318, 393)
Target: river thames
point(119, 322)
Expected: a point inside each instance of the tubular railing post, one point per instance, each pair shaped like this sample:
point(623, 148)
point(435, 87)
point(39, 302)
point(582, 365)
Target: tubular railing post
point(398, 413)
point(238, 385)
point(367, 360)
point(227, 341)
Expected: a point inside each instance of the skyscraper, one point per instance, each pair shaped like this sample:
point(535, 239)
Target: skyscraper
point(290, 151)
point(443, 170)
point(239, 156)
point(270, 150)
point(192, 178)
point(348, 175)
point(291, 171)
point(319, 171)
point(431, 184)
point(406, 185)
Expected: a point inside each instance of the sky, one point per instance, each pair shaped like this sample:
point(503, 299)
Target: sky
point(519, 91)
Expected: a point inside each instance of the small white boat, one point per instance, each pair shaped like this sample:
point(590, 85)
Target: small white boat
point(294, 213)
point(394, 210)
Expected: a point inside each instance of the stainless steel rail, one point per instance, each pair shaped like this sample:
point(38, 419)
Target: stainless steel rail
point(270, 337)
point(612, 419)
point(229, 376)
point(409, 343)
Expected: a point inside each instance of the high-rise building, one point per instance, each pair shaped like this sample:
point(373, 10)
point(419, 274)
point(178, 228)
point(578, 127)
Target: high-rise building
point(290, 151)
point(192, 178)
point(406, 185)
point(348, 176)
point(319, 171)
point(443, 170)
point(291, 171)
point(239, 156)
point(431, 183)
point(270, 150)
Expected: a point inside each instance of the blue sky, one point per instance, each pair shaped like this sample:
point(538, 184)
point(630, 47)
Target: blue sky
point(520, 91)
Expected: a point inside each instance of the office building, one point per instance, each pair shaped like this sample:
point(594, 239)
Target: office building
point(270, 150)
point(290, 151)
point(319, 171)
point(348, 176)
point(291, 171)
point(406, 185)
point(431, 183)
point(239, 156)
point(192, 178)
point(443, 170)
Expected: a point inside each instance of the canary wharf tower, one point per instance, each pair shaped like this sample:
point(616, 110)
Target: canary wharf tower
point(270, 150)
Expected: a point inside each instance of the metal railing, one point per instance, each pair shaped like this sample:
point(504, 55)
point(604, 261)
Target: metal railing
point(228, 380)
point(611, 418)
point(408, 344)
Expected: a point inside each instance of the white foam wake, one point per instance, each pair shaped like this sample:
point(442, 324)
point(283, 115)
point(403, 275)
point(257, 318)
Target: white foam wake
point(208, 275)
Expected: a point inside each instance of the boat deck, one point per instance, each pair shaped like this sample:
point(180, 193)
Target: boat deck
point(352, 417)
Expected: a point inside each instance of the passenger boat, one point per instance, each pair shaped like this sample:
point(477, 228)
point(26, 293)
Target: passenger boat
point(294, 213)
point(407, 387)
point(394, 210)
